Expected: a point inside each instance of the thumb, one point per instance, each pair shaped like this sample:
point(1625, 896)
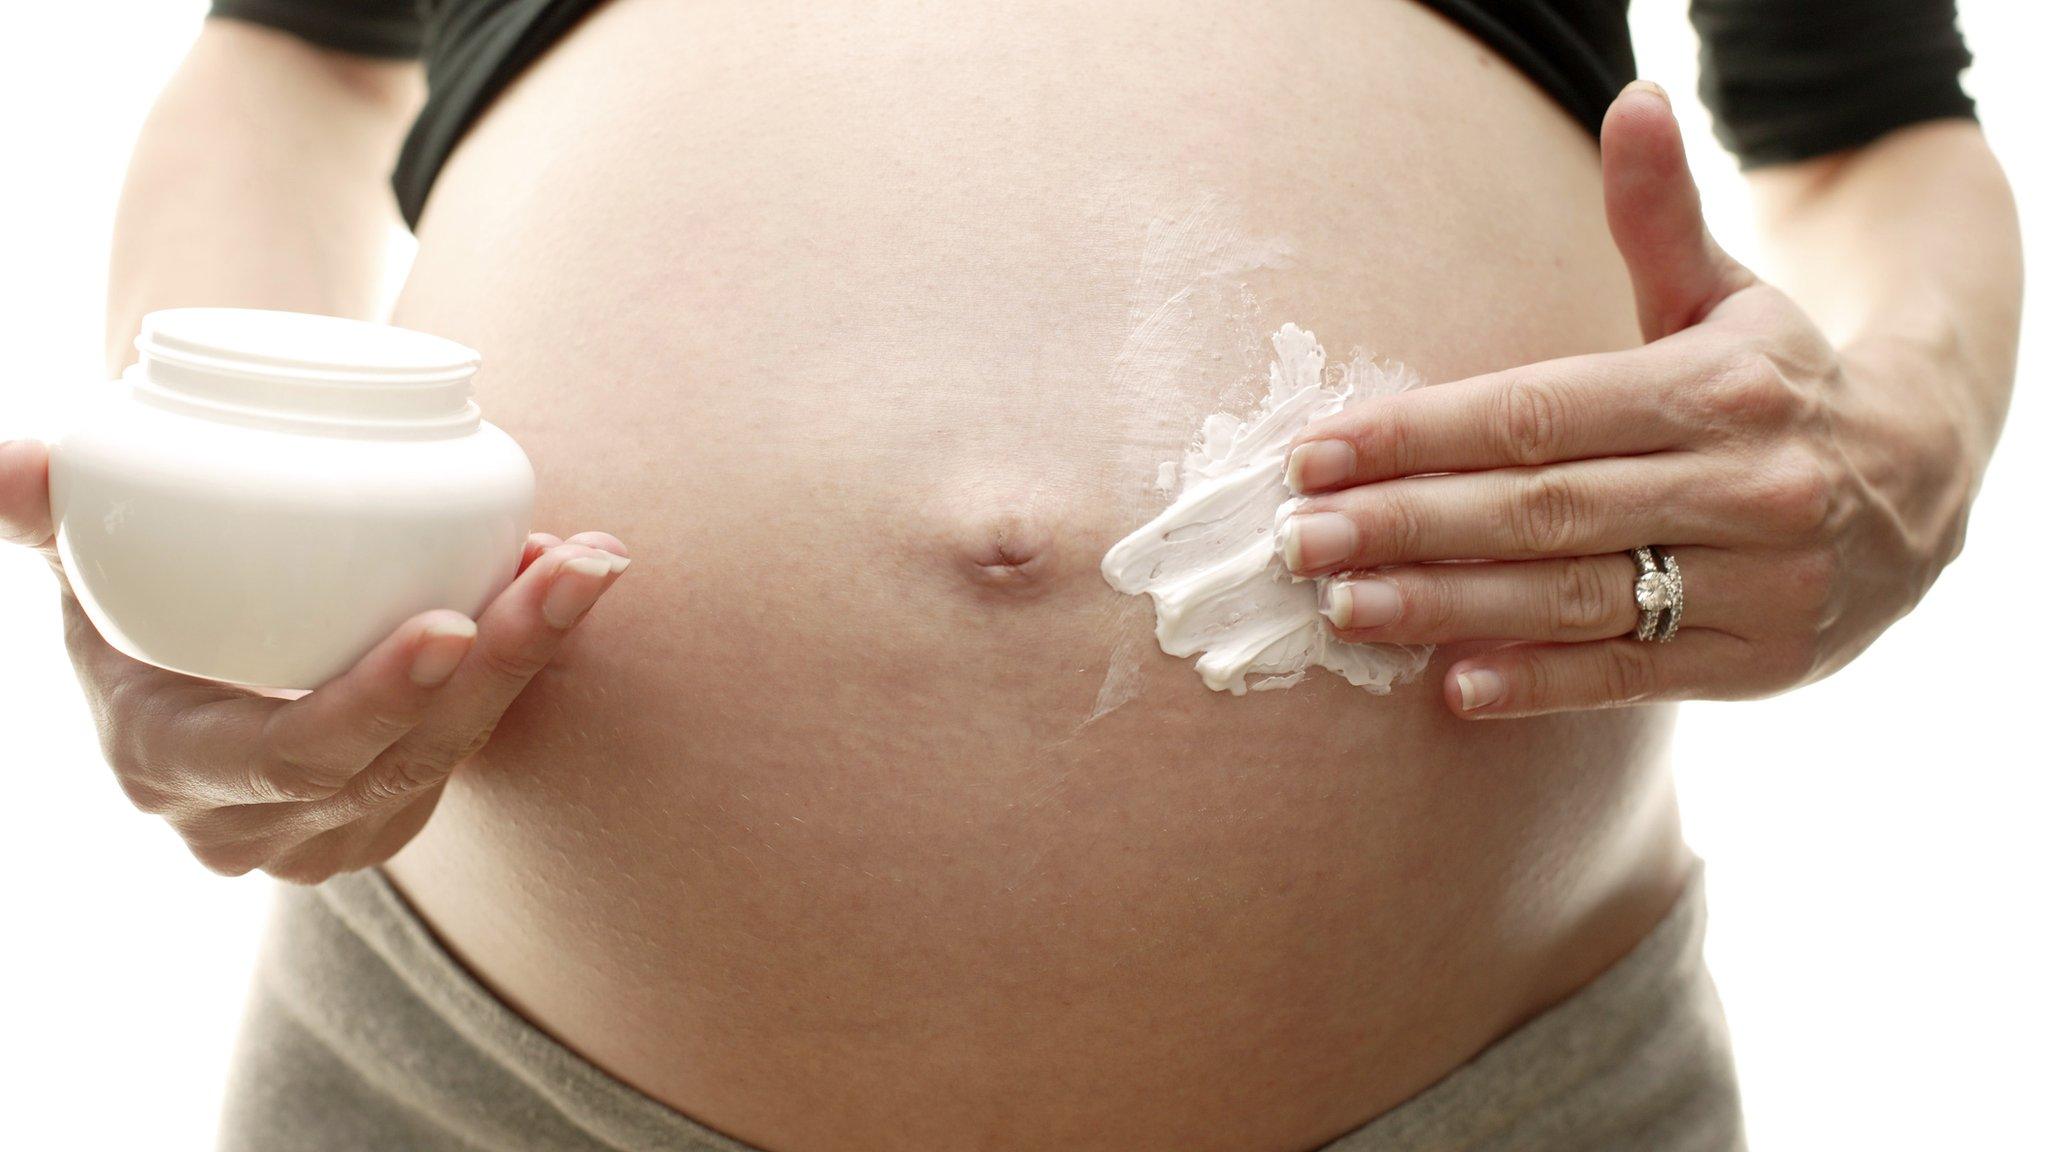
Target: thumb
point(1653, 211)
point(25, 493)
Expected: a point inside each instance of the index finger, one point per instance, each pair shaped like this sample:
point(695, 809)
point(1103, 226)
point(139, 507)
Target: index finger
point(315, 744)
point(518, 634)
point(1575, 408)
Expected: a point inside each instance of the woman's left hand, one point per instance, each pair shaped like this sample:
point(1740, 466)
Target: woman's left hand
point(1809, 497)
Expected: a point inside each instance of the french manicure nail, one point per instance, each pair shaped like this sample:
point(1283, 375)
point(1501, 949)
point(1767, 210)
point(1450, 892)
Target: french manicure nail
point(442, 646)
point(1479, 687)
point(1360, 603)
point(577, 585)
point(1317, 540)
point(1333, 600)
point(1319, 464)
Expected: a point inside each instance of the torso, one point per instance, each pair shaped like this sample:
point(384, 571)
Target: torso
point(840, 320)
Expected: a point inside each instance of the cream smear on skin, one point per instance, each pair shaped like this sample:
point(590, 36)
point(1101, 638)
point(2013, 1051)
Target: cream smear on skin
point(1192, 316)
point(1219, 588)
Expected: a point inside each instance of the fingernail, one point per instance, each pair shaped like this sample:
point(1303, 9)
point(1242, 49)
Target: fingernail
point(618, 562)
point(1317, 540)
point(443, 644)
point(1479, 687)
point(1319, 464)
point(1653, 87)
point(1360, 603)
point(577, 585)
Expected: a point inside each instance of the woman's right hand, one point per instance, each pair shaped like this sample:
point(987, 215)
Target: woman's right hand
point(343, 777)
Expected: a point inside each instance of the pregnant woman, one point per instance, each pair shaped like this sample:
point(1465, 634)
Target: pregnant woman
point(863, 813)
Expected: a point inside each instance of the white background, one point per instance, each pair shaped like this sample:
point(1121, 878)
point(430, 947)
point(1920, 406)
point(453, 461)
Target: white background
point(1874, 841)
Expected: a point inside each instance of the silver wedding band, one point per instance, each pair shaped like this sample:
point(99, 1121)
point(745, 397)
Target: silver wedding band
point(1660, 594)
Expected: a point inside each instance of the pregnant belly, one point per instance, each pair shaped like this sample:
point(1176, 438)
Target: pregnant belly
point(864, 813)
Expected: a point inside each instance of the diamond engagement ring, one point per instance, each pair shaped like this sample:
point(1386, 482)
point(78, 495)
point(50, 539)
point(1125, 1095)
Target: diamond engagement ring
point(1660, 594)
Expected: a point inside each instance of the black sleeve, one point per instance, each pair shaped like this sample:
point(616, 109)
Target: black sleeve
point(391, 29)
point(1793, 79)
point(1576, 50)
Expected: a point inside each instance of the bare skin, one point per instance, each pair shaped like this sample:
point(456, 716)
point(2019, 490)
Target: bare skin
point(814, 800)
point(809, 833)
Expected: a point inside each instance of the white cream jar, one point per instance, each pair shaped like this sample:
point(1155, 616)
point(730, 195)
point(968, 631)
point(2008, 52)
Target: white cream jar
point(266, 495)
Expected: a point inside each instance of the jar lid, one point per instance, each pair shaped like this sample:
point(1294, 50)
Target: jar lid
point(323, 373)
point(303, 344)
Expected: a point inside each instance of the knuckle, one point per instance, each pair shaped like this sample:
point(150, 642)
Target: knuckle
point(1584, 600)
point(1430, 604)
point(228, 857)
point(138, 703)
point(1806, 607)
point(124, 745)
point(143, 794)
point(1390, 528)
point(382, 720)
point(1806, 660)
point(1626, 673)
point(288, 784)
point(402, 773)
point(1793, 494)
point(513, 663)
point(1813, 576)
point(400, 777)
point(119, 749)
point(1385, 445)
point(457, 752)
point(1535, 683)
point(1749, 390)
point(1546, 513)
point(1532, 422)
point(288, 774)
point(121, 728)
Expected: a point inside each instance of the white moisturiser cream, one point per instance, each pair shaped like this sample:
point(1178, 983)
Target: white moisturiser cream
point(1220, 591)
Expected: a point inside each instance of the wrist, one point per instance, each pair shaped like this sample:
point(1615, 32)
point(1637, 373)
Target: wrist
point(1913, 427)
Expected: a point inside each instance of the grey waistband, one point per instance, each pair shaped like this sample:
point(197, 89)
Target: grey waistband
point(1638, 1059)
point(363, 1033)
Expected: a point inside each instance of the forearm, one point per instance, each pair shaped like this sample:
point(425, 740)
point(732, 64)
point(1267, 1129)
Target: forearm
point(1908, 251)
point(259, 181)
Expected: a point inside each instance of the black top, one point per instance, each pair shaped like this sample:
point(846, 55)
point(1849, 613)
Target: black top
point(1785, 79)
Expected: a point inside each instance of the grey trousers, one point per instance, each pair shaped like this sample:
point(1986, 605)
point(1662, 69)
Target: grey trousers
point(362, 1034)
